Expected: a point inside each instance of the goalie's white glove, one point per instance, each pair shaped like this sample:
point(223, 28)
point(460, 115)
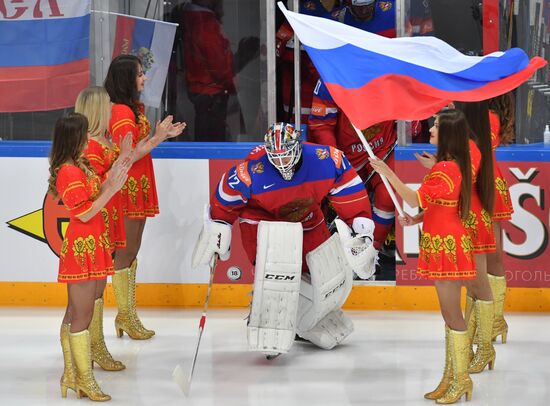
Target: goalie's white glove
point(358, 246)
point(215, 238)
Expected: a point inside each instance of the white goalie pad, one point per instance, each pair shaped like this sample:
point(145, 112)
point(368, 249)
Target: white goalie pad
point(327, 285)
point(215, 237)
point(359, 250)
point(272, 321)
point(330, 331)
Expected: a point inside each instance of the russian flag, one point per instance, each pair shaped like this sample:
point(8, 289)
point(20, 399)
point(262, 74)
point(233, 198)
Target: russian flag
point(44, 48)
point(374, 79)
point(151, 41)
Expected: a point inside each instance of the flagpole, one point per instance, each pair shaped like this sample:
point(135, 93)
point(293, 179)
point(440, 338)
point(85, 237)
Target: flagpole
point(384, 180)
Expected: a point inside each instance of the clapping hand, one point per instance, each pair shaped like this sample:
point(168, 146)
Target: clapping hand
point(426, 159)
point(126, 150)
point(167, 129)
point(118, 174)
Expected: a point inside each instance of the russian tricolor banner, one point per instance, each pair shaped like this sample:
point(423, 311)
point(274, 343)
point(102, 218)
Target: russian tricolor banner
point(151, 41)
point(374, 79)
point(44, 47)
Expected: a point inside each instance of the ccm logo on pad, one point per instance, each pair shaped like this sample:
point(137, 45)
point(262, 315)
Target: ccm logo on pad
point(330, 292)
point(279, 277)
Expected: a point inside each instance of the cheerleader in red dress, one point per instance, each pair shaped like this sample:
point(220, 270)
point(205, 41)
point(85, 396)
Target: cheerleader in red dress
point(479, 312)
point(95, 104)
point(85, 256)
point(502, 117)
point(446, 248)
point(124, 82)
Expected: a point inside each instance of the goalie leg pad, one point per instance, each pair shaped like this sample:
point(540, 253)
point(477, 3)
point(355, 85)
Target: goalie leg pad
point(327, 286)
point(272, 321)
point(330, 331)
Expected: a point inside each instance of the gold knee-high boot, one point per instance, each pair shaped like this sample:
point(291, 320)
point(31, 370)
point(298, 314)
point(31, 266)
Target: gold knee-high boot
point(471, 323)
point(85, 380)
point(447, 372)
point(68, 379)
point(485, 353)
point(461, 383)
point(498, 286)
point(124, 285)
point(100, 353)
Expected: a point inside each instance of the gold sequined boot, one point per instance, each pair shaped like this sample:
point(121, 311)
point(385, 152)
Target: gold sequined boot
point(471, 323)
point(485, 353)
point(132, 283)
point(447, 372)
point(100, 353)
point(68, 379)
point(498, 286)
point(85, 380)
point(125, 292)
point(461, 383)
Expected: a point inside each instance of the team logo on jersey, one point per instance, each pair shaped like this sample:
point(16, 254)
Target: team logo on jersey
point(371, 132)
point(385, 5)
point(296, 210)
point(258, 168)
point(309, 5)
point(321, 153)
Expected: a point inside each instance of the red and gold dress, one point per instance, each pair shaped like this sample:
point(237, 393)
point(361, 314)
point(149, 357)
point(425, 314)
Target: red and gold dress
point(139, 194)
point(85, 252)
point(102, 157)
point(479, 223)
point(446, 248)
point(503, 208)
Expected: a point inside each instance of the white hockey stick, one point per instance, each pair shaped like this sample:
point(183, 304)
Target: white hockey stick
point(179, 376)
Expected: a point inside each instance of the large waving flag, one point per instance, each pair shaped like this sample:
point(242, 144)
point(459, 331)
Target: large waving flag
point(44, 48)
point(374, 79)
point(150, 40)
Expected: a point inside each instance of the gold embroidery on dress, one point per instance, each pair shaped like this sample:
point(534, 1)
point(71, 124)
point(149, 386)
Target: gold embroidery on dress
point(486, 218)
point(91, 247)
point(79, 249)
point(132, 188)
point(466, 244)
point(449, 244)
point(64, 248)
point(502, 189)
point(145, 186)
point(471, 223)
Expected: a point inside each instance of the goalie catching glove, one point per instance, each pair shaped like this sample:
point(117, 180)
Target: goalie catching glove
point(358, 246)
point(215, 238)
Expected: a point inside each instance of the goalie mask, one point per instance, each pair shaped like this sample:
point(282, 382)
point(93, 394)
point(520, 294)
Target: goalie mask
point(284, 148)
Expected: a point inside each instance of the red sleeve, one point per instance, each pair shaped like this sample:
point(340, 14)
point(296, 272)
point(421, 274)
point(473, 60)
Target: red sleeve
point(439, 183)
point(94, 153)
point(72, 189)
point(323, 117)
point(123, 121)
point(348, 195)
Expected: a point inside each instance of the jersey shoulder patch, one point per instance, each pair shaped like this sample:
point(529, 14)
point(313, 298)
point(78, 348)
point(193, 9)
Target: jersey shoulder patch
point(336, 156)
point(242, 173)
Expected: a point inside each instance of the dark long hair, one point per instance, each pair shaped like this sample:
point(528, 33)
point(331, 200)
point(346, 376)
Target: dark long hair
point(121, 84)
point(452, 144)
point(69, 140)
point(477, 115)
point(504, 106)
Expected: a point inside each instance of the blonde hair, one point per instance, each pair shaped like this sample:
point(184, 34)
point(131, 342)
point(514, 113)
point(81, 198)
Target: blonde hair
point(95, 104)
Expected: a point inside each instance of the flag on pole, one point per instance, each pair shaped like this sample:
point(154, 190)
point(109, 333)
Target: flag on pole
point(44, 54)
point(151, 41)
point(373, 79)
